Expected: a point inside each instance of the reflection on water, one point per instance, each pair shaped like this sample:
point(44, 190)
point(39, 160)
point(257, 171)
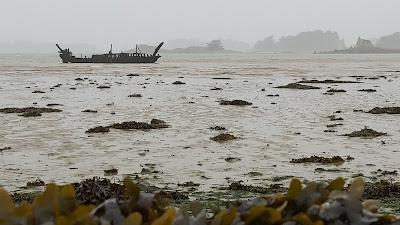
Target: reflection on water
point(55, 147)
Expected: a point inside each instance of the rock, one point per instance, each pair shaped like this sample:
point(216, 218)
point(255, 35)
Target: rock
point(99, 129)
point(216, 89)
point(135, 96)
point(223, 137)
point(364, 46)
point(385, 110)
point(235, 102)
point(366, 133)
point(78, 79)
point(178, 82)
point(323, 160)
point(298, 86)
point(132, 75)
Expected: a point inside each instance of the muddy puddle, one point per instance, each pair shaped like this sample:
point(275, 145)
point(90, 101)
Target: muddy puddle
point(269, 133)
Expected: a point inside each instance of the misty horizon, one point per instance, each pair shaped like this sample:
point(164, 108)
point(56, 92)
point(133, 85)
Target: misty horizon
point(331, 41)
point(126, 23)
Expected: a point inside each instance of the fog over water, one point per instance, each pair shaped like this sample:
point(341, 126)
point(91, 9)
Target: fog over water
point(125, 22)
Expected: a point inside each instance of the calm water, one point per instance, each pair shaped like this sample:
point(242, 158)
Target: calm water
point(54, 147)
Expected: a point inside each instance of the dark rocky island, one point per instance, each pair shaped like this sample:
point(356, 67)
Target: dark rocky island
point(364, 46)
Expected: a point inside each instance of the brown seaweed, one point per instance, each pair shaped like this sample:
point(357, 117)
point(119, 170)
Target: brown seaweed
point(235, 102)
point(298, 86)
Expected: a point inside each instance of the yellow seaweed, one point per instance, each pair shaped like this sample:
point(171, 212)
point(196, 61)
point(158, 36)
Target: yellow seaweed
point(167, 218)
point(295, 189)
point(134, 219)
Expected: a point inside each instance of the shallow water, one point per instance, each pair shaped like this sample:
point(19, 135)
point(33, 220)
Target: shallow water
point(55, 147)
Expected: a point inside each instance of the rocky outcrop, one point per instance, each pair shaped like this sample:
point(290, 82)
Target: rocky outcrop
point(309, 41)
point(364, 46)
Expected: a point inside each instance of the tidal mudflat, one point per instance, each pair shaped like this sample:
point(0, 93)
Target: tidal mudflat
point(46, 108)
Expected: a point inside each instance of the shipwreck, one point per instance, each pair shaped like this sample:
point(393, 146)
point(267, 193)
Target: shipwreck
point(123, 57)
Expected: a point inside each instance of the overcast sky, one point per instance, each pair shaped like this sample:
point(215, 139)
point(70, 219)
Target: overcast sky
point(147, 21)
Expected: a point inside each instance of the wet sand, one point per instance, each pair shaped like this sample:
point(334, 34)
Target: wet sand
point(270, 132)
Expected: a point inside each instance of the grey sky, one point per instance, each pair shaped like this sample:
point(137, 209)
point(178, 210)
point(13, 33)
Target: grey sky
point(147, 21)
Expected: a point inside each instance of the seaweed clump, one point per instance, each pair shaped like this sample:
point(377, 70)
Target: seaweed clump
point(217, 128)
point(30, 114)
point(178, 82)
point(323, 160)
point(240, 186)
point(97, 190)
point(385, 110)
point(314, 204)
point(366, 133)
point(89, 111)
point(29, 111)
point(36, 183)
point(98, 129)
point(382, 189)
point(133, 125)
point(135, 96)
point(235, 102)
point(223, 137)
point(335, 90)
point(327, 81)
point(130, 125)
point(298, 86)
point(367, 90)
point(103, 87)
